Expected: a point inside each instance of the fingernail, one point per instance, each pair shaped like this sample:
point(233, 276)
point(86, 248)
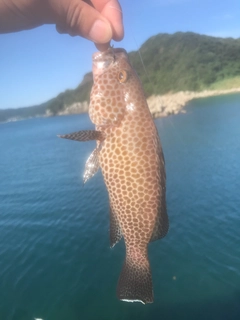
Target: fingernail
point(101, 32)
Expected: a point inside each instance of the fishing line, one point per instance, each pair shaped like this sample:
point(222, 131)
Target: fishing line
point(178, 135)
point(139, 51)
point(135, 41)
point(160, 101)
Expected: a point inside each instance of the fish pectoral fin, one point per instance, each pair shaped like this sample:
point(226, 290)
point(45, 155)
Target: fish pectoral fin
point(91, 166)
point(84, 135)
point(115, 229)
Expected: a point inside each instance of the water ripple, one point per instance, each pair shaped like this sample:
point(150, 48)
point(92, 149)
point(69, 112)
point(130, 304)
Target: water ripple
point(55, 259)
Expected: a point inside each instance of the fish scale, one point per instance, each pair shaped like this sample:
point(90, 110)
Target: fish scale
point(132, 163)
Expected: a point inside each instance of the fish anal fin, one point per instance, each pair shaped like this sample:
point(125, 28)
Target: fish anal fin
point(115, 229)
point(84, 135)
point(91, 166)
point(162, 224)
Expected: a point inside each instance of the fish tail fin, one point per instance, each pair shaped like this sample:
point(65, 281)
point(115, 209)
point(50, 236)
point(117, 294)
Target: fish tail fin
point(135, 281)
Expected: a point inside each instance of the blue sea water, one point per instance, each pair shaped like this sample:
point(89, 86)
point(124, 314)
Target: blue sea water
point(55, 260)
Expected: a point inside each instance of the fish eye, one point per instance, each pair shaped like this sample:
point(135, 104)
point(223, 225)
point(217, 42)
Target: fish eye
point(122, 76)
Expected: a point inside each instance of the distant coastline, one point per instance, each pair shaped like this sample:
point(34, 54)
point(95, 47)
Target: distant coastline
point(159, 105)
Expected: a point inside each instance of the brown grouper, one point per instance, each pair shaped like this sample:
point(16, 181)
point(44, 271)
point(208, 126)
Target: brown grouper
point(130, 156)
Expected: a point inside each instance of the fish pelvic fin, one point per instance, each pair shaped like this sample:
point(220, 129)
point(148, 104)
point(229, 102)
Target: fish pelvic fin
point(115, 229)
point(135, 281)
point(91, 166)
point(84, 135)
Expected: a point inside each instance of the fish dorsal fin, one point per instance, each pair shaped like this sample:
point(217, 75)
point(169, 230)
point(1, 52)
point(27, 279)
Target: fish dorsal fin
point(115, 229)
point(91, 166)
point(84, 135)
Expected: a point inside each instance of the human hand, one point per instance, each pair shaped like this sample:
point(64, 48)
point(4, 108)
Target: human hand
point(98, 20)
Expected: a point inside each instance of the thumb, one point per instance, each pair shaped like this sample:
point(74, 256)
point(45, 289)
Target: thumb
point(78, 18)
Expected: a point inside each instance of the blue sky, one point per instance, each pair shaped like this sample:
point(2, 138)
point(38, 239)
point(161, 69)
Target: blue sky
point(38, 64)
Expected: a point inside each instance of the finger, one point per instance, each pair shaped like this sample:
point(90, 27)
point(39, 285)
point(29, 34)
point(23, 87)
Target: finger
point(112, 11)
point(79, 18)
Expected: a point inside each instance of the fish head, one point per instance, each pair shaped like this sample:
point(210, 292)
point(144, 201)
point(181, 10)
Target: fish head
point(114, 78)
point(108, 60)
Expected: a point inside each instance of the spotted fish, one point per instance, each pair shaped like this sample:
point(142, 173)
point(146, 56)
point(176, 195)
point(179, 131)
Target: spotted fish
point(130, 156)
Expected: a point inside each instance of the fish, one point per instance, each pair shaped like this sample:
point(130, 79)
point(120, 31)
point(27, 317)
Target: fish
point(129, 153)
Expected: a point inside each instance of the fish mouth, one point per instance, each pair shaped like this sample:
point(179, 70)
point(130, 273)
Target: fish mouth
point(102, 60)
point(110, 53)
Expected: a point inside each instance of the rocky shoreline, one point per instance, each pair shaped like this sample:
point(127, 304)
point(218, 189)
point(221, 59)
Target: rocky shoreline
point(173, 103)
point(160, 106)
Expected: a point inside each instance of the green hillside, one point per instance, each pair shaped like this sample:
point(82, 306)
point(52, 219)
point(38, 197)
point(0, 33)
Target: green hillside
point(173, 62)
point(186, 61)
point(178, 62)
